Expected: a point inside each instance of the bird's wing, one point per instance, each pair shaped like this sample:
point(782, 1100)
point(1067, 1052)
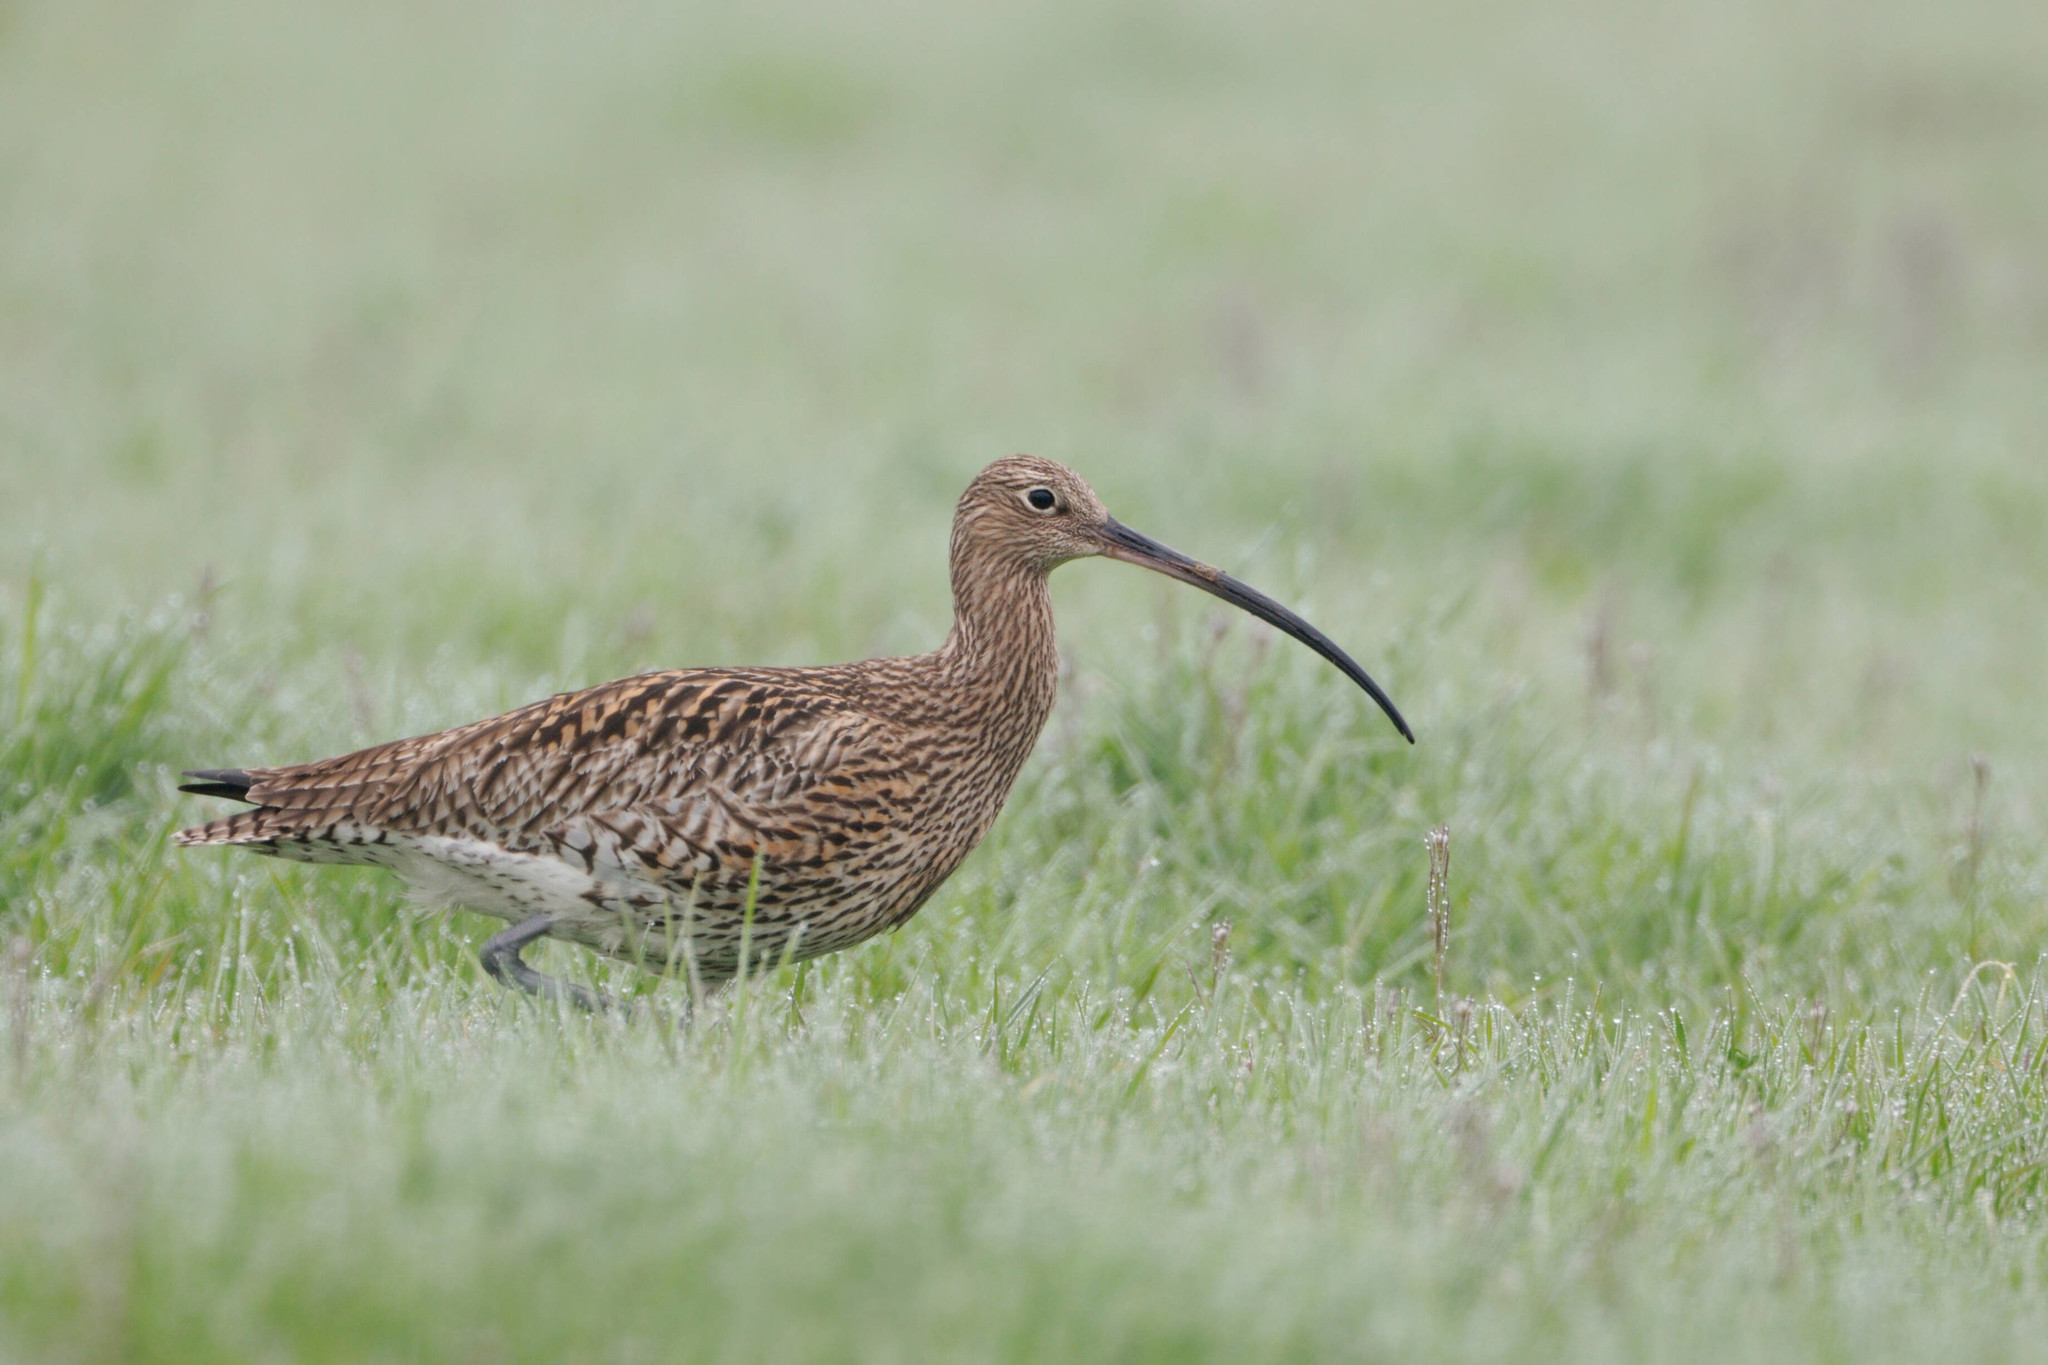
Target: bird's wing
point(712, 757)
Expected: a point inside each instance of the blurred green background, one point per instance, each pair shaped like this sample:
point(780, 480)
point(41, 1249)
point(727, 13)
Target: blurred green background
point(1651, 396)
point(417, 328)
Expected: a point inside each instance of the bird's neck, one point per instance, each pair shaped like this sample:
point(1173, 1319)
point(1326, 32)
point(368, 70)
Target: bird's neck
point(1001, 647)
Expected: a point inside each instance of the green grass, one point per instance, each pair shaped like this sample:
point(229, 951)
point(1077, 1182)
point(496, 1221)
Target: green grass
point(1651, 398)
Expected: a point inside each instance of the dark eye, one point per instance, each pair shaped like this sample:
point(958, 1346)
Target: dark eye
point(1041, 498)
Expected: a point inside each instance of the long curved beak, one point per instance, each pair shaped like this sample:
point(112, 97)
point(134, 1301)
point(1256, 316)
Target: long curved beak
point(1121, 542)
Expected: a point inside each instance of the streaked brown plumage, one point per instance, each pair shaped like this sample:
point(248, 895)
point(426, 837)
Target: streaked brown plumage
point(634, 817)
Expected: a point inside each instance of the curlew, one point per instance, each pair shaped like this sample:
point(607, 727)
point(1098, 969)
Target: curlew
point(703, 819)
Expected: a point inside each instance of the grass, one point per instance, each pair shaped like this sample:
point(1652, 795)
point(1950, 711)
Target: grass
point(1651, 400)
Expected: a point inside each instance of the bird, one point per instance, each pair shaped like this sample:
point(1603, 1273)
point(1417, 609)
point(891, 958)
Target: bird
point(717, 820)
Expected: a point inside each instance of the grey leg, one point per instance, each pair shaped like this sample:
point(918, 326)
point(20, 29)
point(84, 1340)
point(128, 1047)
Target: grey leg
point(502, 960)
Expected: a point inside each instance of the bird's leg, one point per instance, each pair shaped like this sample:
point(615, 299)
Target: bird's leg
point(502, 960)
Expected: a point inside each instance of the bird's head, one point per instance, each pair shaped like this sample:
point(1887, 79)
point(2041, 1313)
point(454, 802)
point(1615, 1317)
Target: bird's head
point(1037, 514)
point(1032, 512)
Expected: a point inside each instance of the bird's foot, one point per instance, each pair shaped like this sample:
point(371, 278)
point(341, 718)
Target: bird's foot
point(501, 957)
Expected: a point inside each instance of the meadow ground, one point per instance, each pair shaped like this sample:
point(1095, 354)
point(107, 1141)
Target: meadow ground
point(1652, 397)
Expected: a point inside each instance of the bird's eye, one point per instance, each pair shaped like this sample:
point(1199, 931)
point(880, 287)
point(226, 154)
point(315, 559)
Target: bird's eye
point(1042, 499)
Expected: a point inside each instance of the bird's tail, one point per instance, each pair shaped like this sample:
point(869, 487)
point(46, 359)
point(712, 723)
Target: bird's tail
point(259, 826)
point(284, 823)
